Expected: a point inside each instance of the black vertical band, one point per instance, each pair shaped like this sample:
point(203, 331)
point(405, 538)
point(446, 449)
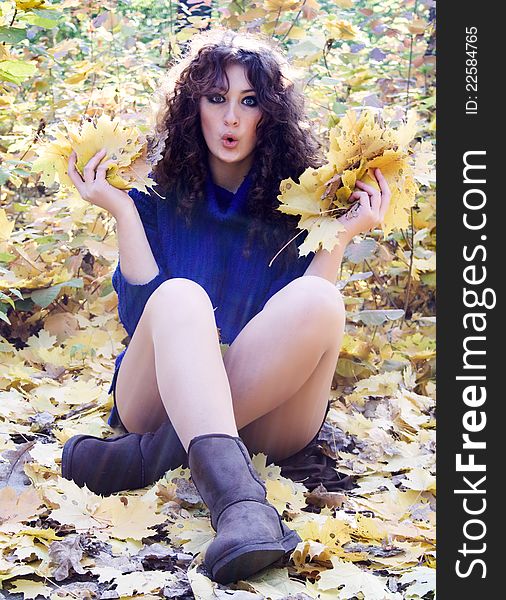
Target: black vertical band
point(471, 326)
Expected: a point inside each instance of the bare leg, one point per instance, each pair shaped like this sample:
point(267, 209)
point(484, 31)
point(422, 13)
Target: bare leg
point(279, 366)
point(189, 367)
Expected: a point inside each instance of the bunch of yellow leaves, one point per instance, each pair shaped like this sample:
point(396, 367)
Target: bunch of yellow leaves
point(124, 144)
point(359, 144)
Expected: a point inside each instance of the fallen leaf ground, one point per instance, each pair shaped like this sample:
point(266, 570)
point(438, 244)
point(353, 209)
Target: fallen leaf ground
point(377, 540)
point(59, 331)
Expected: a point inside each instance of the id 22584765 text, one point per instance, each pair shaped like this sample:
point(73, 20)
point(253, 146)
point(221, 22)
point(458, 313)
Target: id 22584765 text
point(471, 70)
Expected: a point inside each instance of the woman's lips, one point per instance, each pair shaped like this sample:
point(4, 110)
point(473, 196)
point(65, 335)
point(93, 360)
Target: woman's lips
point(229, 143)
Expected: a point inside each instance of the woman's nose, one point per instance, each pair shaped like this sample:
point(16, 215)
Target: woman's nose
point(231, 117)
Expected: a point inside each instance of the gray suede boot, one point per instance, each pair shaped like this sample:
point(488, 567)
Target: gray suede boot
point(125, 462)
point(250, 532)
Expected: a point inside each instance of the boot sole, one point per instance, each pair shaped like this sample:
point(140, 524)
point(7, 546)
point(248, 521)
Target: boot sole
point(247, 560)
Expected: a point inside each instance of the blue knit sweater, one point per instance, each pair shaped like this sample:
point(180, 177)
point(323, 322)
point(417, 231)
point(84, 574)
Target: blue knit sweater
point(209, 252)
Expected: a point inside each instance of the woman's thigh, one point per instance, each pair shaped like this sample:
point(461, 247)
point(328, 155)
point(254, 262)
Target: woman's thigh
point(138, 400)
point(281, 366)
point(292, 425)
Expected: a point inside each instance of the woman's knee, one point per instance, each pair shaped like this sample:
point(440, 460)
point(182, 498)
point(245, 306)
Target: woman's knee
point(179, 296)
point(318, 299)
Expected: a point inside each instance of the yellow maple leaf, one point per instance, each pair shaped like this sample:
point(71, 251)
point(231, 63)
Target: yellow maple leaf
point(383, 384)
point(390, 505)
point(302, 198)
point(30, 588)
point(322, 234)
point(328, 531)
point(141, 582)
point(41, 534)
point(15, 508)
point(77, 505)
point(282, 495)
point(420, 480)
point(351, 580)
point(130, 517)
point(370, 528)
point(126, 517)
point(339, 29)
point(26, 5)
point(194, 534)
point(6, 226)
point(46, 454)
point(281, 5)
point(266, 471)
point(399, 176)
point(355, 423)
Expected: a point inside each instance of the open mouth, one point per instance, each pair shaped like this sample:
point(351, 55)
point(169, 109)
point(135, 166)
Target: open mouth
point(229, 141)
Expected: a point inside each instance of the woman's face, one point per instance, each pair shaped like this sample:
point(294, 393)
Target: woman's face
point(234, 113)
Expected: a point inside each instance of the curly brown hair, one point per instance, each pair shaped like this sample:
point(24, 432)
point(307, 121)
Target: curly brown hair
point(286, 145)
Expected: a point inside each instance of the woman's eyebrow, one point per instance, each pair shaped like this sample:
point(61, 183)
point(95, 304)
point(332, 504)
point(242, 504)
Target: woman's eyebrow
point(220, 89)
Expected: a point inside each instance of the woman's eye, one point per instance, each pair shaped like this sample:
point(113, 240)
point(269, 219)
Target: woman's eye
point(219, 99)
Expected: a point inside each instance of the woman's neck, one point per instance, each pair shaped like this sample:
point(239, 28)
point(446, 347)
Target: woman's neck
point(229, 175)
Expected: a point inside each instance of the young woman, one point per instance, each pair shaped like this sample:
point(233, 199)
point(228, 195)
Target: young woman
point(194, 259)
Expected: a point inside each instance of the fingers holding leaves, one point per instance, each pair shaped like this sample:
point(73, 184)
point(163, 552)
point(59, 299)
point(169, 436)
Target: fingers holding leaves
point(363, 205)
point(379, 198)
point(92, 184)
point(91, 179)
point(102, 169)
point(374, 198)
point(386, 194)
point(72, 165)
point(371, 207)
point(92, 164)
point(368, 210)
point(74, 174)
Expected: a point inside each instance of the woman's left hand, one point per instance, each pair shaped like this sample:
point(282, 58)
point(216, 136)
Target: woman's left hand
point(370, 209)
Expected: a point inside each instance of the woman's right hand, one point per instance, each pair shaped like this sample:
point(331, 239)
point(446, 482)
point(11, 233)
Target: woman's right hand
point(94, 187)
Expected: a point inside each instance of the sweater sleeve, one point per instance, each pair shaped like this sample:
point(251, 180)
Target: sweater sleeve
point(133, 297)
